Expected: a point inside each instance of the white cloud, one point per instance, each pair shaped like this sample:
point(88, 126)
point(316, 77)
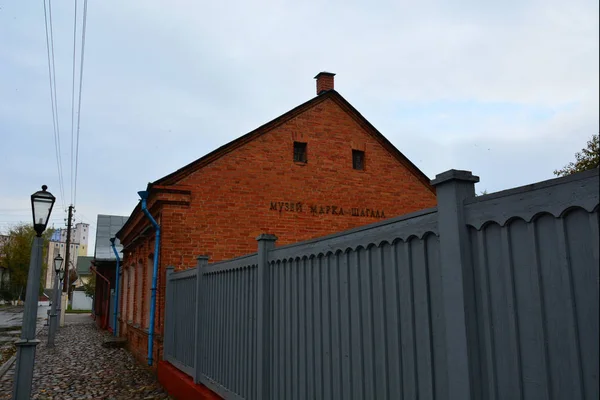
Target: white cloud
point(167, 82)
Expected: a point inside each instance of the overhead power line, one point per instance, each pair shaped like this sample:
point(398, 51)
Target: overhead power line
point(83, 28)
point(73, 102)
point(75, 127)
point(52, 81)
point(62, 184)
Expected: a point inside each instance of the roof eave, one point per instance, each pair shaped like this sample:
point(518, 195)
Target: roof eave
point(234, 144)
point(230, 146)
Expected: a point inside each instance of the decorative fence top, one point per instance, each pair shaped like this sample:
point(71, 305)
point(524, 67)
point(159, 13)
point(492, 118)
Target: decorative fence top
point(554, 196)
point(416, 225)
point(247, 261)
point(476, 298)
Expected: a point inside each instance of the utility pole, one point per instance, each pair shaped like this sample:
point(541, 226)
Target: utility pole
point(66, 282)
point(68, 251)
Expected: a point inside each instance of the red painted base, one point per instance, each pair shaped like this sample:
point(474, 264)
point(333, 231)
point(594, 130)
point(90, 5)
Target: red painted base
point(180, 386)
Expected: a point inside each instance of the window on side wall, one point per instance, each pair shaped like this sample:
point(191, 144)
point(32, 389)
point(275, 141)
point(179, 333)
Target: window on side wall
point(148, 291)
point(139, 296)
point(131, 288)
point(358, 160)
point(300, 152)
point(125, 291)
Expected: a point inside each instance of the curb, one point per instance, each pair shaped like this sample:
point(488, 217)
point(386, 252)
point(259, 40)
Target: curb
point(6, 366)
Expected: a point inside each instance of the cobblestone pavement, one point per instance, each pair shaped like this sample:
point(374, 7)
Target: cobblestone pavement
point(80, 368)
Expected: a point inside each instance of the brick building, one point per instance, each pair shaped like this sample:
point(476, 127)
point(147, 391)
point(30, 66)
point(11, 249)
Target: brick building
point(318, 169)
point(103, 266)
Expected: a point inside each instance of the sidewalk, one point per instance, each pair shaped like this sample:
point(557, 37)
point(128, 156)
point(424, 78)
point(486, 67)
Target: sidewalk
point(80, 368)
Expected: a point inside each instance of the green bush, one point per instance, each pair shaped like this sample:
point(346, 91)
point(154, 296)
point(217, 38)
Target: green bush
point(7, 295)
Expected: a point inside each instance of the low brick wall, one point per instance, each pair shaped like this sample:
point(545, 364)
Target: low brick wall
point(181, 386)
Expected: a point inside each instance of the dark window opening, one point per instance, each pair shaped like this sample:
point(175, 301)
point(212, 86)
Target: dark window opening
point(358, 159)
point(300, 152)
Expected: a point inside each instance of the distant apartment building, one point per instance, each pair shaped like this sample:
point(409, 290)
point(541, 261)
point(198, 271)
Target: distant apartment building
point(57, 245)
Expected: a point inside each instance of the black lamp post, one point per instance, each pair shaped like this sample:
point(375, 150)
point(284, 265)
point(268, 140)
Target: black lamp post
point(58, 261)
point(61, 277)
point(41, 207)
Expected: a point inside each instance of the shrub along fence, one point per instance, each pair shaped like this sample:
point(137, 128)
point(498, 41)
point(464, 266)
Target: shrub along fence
point(490, 297)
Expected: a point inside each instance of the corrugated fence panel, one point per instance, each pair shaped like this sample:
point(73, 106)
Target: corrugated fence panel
point(181, 345)
point(536, 279)
point(228, 338)
point(358, 324)
point(368, 314)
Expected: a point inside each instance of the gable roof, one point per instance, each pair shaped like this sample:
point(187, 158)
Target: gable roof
point(83, 265)
point(330, 94)
point(106, 228)
point(188, 169)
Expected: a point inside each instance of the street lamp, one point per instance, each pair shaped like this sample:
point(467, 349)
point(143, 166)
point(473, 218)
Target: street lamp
point(61, 276)
point(58, 261)
point(41, 207)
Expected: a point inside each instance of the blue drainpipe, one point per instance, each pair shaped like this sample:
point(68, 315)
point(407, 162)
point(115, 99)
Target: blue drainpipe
point(144, 196)
point(118, 273)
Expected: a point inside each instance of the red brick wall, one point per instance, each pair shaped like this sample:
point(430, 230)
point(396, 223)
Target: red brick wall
point(231, 199)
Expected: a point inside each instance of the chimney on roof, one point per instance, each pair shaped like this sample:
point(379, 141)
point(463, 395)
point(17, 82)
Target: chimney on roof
point(324, 82)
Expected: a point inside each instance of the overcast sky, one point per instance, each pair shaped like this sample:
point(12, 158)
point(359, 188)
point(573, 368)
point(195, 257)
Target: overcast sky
point(506, 89)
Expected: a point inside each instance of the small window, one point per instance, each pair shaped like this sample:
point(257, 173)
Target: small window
point(358, 159)
point(300, 152)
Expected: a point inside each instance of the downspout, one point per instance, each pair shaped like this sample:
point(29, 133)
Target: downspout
point(117, 274)
point(144, 196)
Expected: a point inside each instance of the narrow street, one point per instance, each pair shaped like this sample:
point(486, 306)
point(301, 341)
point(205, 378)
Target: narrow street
point(80, 368)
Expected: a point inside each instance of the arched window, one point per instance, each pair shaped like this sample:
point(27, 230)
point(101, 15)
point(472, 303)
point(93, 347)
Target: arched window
point(148, 289)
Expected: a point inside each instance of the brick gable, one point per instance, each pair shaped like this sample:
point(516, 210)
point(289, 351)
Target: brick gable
point(234, 196)
point(218, 204)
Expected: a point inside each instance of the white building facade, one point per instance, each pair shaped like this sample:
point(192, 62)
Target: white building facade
point(57, 245)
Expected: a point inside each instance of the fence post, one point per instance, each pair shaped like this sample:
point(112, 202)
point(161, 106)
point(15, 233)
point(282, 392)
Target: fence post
point(452, 188)
point(168, 309)
point(266, 243)
point(202, 263)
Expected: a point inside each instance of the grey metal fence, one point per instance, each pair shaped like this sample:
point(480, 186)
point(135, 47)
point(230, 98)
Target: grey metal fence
point(228, 325)
point(342, 306)
point(490, 297)
point(534, 302)
point(181, 315)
